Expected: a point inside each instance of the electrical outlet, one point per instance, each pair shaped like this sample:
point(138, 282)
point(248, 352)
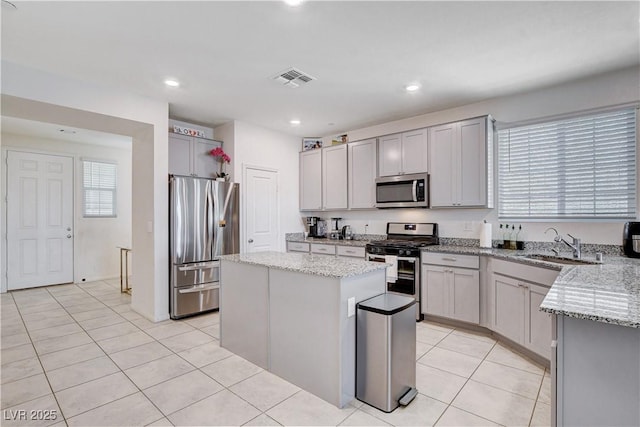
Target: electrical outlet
point(351, 307)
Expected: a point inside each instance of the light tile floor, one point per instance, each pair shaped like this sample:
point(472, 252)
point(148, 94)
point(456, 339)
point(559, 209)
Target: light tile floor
point(78, 355)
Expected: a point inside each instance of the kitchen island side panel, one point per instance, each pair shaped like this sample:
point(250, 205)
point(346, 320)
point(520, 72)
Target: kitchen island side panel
point(598, 373)
point(244, 311)
point(312, 341)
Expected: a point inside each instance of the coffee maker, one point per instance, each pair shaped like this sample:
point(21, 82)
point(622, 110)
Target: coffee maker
point(317, 227)
point(631, 239)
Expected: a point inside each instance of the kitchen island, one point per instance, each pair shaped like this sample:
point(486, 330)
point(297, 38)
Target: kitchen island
point(294, 315)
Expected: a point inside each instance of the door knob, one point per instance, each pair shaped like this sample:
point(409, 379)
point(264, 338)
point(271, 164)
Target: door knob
point(250, 240)
point(68, 236)
point(68, 228)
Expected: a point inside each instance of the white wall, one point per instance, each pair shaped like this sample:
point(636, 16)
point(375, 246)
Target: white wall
point(252, 145)
point(35, 95)
point(95, 239)
point(605, 90)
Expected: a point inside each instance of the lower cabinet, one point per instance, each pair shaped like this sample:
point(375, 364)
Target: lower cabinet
point(297, 247)
point(517, 316)
point(451, 292)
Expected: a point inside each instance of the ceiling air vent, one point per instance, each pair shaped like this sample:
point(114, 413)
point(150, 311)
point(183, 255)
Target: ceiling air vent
point(293, 77)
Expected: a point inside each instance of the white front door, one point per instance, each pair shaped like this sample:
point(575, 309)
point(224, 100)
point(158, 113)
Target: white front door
point(39, 220)
point(261, 209)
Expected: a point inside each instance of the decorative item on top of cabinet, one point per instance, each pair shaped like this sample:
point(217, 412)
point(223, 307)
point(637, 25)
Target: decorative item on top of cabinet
point(460, 156)
point(403, 153)
point(189, 156)
point(362, 174)
point(451, 286)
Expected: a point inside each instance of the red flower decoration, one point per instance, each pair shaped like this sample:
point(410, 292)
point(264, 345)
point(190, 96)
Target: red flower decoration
point(218, 152)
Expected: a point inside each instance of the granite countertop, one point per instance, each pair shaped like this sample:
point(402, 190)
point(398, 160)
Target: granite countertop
point(319, 265)
point(607, 292)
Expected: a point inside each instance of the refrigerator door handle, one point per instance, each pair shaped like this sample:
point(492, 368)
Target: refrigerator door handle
point(210, 228)
point(200, 266)
point(198, 288)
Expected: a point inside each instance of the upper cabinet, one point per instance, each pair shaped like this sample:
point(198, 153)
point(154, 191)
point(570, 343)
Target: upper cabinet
point(310, 180)
point(459, 170)
point(403, 153)
point(334, 177)
point(190, 156)
point(362, 174)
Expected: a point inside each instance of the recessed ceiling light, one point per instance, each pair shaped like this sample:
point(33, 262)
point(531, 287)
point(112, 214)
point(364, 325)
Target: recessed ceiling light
point(172, 83)
point(293, 2)
point(412, 87)
point(294, 122)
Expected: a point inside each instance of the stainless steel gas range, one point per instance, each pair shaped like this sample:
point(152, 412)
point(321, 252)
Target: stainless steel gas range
point(402, 250)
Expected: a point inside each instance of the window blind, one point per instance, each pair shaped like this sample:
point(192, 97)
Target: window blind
point(582, 167)
point(99, 188)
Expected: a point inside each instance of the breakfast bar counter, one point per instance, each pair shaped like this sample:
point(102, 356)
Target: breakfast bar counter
point(294, 315)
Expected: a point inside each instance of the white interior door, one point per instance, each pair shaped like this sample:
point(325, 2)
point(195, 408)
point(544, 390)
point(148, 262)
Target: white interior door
point(39, 220)
point(261, 209)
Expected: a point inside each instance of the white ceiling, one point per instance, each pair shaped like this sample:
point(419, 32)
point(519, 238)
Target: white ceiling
point(362, 53)
point(16, 126)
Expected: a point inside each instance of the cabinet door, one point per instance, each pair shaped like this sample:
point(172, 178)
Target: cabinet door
point(443, 165)
point(465, 295)
point(310, 180)
point(390, 155)
point(334, 177)
point(435, 291)
point(509, 308)
point(180, 155)
point(415, 156)
point(537, 323)
point(362, 174)
point(204, 164)
point(472, 172)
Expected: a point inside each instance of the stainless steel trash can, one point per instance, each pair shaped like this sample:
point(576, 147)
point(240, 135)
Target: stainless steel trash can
point(386, 351)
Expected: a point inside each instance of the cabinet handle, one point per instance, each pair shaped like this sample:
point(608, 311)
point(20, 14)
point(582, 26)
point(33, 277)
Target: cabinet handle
point(449, 259)
point(350, 252)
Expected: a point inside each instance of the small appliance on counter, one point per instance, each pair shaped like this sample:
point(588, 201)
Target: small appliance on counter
point(335, 233)
point(631, 239)
point(346, 233)
point(317, 227)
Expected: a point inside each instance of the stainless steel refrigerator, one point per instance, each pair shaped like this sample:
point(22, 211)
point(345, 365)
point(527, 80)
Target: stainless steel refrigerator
point(203, 224)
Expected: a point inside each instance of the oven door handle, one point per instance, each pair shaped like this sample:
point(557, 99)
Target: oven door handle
point(412, 260)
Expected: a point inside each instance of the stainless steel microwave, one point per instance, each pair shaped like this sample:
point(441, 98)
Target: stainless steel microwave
point(403, 191)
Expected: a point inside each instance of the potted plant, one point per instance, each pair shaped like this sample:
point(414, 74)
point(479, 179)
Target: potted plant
point(223, 158)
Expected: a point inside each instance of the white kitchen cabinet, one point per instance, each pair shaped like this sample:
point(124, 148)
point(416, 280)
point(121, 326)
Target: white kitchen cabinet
point(350, 251)
point(297, 247)
point(362, 174)
point(452, 292)
point(459, 169)
point(320, 248)
point(190, 156)
point(517, 315)
point(403, 153)
point(334, 177)
point(310, 180)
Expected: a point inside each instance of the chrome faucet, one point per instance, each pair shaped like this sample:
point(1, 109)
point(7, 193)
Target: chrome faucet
point(575, 245)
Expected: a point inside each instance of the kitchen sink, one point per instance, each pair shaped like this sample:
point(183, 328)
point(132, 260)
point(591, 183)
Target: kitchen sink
point(561, 259)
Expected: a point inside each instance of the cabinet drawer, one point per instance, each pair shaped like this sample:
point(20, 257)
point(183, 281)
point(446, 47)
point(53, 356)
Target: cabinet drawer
point(350, 251)
point(530, 273)
point(317, 248)
point(453, 260)
point(297, 247)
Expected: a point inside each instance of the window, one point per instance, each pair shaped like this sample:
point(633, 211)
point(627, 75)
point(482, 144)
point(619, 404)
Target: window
point(581, 167)
point(99, 189)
